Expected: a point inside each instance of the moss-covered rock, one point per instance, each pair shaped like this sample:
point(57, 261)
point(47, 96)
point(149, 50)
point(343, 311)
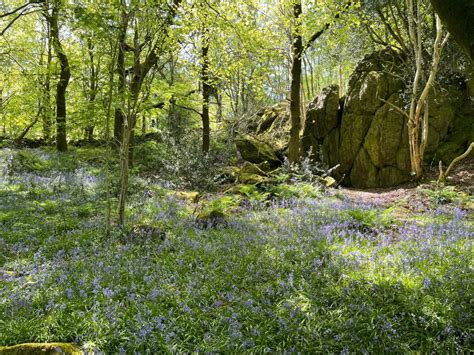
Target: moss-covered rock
point(40, 348)
point(321, 127)
point(251, 168)
point(227, 175)
point(211, 218)
point(248, 178)
point(256, 151)
point(384, 136)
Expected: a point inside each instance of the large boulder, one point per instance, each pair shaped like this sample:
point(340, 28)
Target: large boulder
point(256, 151)
point(321, 127)
point(368, 136)
point(270, 124)
point(251, 173)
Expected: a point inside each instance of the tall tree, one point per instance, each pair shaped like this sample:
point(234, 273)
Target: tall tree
point(64, 77)
point(155, 45)
point(295, 86)
point(419, 111)
point(122, 46)
point(298, 49)
point(46, 87)
point(93, 87)
point(206, 90)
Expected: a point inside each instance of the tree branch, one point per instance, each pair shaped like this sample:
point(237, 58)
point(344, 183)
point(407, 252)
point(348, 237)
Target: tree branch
point(189, 109)
point(318, 34)
point(395, 107)
point(32, 2)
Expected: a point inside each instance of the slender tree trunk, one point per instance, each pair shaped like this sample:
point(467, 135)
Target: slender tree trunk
point(2, 113)
point(206, 91)
point(65, 75)
point(46, 101)
point(341, 81)
point(144, 124)
point(219, 107)
point(107, 137)
point(418, 114)
point(119, 114)
point(309, 94)
point(140, 71)
point(124, 168)
point(92, 90)
point(295, 86)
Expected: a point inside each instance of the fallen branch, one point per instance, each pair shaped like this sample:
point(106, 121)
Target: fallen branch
point(442, 174)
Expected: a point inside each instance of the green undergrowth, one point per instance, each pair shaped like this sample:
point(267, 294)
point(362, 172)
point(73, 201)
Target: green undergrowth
point(287, 269)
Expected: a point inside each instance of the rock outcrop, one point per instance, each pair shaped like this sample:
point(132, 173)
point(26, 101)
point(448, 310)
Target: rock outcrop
point(364, 133)
point(321, 131)
point(256, 151)
point(367, 135)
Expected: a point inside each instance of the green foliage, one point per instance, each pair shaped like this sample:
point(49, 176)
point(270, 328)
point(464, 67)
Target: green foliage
point(150, 155)
point(252, 193)
point(30, 161)
point(298, 190)
point(441, 195)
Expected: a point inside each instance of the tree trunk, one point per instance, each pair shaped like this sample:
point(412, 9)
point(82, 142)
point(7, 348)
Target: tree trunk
point(46, 111)
point(140, 71)
point(89, 133)
point(418, 114)
point(119, 114)
point(64, 76)
point(2, 113)
point(206, 92)
point(124, 167)
point(92, 90)
point(295, 95)
point(144, 124)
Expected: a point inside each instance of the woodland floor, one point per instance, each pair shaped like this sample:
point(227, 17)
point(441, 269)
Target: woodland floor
point(294, 269)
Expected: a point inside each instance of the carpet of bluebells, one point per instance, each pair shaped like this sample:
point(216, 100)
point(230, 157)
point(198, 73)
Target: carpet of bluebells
point(302, 274)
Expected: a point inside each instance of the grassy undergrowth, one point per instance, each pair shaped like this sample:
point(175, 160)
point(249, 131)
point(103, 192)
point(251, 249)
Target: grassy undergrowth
point(313, 273)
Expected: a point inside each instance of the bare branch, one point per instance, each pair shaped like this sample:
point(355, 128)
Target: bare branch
point(318, 34)
point(10, 24)
point(189, 109)
point(21, 11)
point(32, 2)
point(395, 107)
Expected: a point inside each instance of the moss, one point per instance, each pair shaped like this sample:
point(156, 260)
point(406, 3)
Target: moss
point(40, 348)
point(246, 178)
point(255, 151)
point(188, 196)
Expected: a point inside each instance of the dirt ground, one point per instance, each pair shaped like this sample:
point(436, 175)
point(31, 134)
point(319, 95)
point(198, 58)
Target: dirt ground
point(408, 195)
